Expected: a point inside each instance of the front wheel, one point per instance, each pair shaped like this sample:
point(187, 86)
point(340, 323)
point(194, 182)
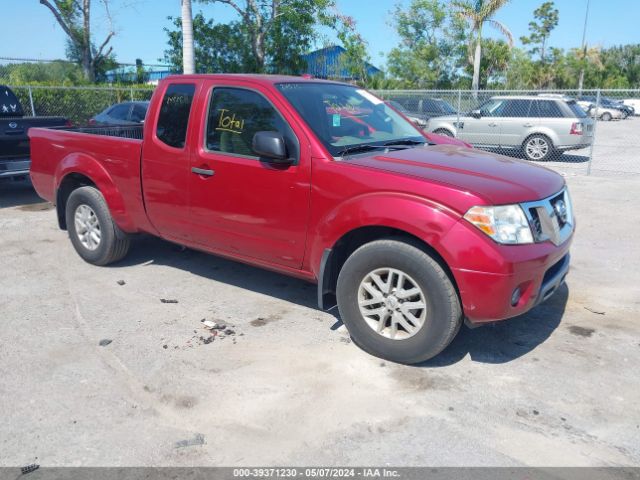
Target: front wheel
point(606, 117)
point(92, 231)
point(538, 148)
point(397, 302)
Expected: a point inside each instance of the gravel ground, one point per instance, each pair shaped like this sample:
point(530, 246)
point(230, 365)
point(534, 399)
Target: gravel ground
point(96, 371)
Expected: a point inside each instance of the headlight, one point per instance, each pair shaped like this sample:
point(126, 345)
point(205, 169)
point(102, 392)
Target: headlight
point(505, 224)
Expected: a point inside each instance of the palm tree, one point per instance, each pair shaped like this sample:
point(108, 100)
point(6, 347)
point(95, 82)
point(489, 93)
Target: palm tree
point(188, 61)
point(477, 13)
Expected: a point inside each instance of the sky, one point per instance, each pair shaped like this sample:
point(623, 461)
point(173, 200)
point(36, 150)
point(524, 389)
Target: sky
point(32, 32)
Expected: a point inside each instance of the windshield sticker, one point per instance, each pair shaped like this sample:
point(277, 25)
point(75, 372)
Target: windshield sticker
point(227, 122)
point(336, 119)
point(372, 98)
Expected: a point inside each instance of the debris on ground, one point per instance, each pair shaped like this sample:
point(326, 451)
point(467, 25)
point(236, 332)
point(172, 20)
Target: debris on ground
point(165, 346)
point(198, 439)
point(29, 468)
point(168, 300)
point(208, 340)
point(104, 342)
point(597, 312)
point(209, 324)
point(121, 282)
point(345, 339)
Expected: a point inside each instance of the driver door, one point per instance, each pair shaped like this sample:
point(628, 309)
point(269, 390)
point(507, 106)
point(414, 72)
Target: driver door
point(238, 202)
point(484, 131)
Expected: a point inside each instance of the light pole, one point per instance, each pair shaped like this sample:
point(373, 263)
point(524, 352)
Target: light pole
point(584, 48)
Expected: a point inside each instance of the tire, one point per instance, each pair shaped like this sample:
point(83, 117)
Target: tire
point(537, 148)
point(443, 131)
point(625, 114)
point(92, 212)
point(606, 117)
point(440, 318)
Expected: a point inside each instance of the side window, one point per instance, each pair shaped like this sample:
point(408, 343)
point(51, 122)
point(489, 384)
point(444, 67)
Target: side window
point(492, 108)
point(549, 109)
point(138, 113)
point(120, 112)
point(174, 114)
point(516, 108)
point(236, 114)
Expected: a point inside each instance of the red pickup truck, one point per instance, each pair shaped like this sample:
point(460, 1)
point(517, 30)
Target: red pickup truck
point(325, 182)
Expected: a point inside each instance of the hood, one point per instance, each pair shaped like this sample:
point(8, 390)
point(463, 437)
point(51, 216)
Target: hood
point(498, 179)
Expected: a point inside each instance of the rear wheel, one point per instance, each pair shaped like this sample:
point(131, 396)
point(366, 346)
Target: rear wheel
point(397, 302)
point(537, 148)
point(92, 231)
point(606, 116)
point(444, 132)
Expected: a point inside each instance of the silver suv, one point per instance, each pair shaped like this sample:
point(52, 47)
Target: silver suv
point(538, 127)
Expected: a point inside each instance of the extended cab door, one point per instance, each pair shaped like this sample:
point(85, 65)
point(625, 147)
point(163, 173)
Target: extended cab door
point(240, 203)
point(166, 162)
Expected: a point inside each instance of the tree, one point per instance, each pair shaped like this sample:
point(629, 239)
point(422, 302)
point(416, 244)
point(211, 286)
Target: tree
point(188, 61)
point(477, 13)
point(429, 51)
point(218, 48)
point(547, 19)
point(264, 20)
point(74, 17)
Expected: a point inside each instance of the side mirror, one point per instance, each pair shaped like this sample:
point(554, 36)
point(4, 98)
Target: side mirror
point(476, 113)
point(270, 146)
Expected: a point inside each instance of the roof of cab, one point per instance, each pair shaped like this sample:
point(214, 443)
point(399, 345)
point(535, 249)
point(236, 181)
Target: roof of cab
point(253, 77)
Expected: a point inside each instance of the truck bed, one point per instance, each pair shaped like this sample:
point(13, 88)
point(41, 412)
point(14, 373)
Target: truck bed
point(110, 156)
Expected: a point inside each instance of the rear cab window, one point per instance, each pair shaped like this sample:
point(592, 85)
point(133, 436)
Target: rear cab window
point(173, 120)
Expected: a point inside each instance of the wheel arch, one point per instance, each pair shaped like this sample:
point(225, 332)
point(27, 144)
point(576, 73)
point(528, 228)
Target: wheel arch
point(79, 170)
point(333, 258)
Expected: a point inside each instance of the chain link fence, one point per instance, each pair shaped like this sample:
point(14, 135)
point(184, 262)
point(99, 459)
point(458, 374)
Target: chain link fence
point(569, 130)
point(575, 132)
point(77, 104)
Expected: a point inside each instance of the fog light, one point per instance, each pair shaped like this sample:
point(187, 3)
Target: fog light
point(515, 297)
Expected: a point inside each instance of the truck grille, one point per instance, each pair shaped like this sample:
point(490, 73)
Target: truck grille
point(551, 219)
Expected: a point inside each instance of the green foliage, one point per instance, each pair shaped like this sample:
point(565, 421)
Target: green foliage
point(546, 19)
point(76, 104)
point(217, 47)
point(53, 73)
point(429, 50)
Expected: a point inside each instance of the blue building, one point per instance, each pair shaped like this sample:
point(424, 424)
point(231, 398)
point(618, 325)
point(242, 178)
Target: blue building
point(328, 63)
point(128, 73)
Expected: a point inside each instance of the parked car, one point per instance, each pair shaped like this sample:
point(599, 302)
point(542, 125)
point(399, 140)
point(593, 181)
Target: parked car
point(601, 113)
point(407, 238)
point(425, 108)
point(634, 103)
point(419, 122)
point(14, 126)
point(538, 127)
point(609, 109)
point(126, 113)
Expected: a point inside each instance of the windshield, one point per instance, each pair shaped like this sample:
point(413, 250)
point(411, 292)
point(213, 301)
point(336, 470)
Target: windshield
point(344, 117)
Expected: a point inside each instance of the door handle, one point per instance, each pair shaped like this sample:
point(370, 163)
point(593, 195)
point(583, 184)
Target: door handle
point(493, 124)
point(528, 125)
point(202, 171)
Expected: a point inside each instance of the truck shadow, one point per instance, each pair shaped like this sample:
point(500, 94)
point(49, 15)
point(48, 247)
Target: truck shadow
point(146, 249)
point(505, 341)
point(501, 342)
point(17, 193)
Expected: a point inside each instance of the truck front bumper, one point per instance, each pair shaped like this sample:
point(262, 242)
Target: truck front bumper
point(14, 168)
point(507, 281)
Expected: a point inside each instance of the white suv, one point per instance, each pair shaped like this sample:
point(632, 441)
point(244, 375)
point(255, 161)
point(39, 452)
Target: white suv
point(539, 127)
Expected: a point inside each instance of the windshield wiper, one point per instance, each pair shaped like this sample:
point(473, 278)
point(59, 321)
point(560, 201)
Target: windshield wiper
point(404, 141)
point(367, 147)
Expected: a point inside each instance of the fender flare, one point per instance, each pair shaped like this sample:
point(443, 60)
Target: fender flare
point(87, 166)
